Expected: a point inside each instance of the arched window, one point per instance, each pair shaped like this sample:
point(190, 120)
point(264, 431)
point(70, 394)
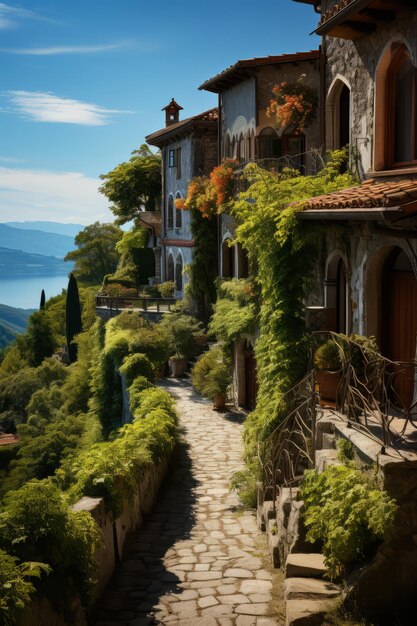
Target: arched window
point(269, 144)
point(170, 268)
point(337, 295)
point(178, 273)
point(228, 260)
point(170, 217)
point(227, 152)
point(241, 154)
point(338, 115)
point(401, 110)
point(178, 213)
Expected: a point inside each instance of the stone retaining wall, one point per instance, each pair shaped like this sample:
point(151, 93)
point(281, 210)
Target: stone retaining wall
point(114, 535)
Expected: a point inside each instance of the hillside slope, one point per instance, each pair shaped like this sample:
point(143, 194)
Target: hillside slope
point(12, 322)
point(15, 263)
point(49, 227)
point(35, 241)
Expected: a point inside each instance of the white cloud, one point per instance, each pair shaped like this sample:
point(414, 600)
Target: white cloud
point(56, 50)
point(27, 194)
point(11, 15)
point(47, 107)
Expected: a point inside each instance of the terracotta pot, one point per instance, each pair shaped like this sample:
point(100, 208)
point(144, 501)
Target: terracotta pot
point(328, 383)
point(219, 402)
point(177, 367)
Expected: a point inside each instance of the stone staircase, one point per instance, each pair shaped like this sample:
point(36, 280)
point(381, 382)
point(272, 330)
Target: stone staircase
point(308, 594)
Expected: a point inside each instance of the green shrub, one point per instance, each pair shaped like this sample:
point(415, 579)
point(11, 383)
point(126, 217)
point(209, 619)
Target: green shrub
point(139, 384)
point(126, 320)
point(212, 375)
point(183, 333)
point(153, 398)
point(16, 586)
point(167, 289)
point(235, 311)
point(37, 525)
point(329, 356)
point(345, 510)
point(111, 469)
point(136, 365)
point(117, 346)
point(153, 342)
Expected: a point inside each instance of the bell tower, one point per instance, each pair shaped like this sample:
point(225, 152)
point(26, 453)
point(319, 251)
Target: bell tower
point(172, 112)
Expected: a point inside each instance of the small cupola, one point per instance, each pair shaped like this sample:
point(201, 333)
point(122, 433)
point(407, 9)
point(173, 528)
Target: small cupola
point(172, 112)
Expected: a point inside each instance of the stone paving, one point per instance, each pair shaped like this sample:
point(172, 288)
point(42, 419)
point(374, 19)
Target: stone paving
point(199, 560)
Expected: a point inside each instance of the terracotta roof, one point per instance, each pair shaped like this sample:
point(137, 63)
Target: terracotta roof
point(6, 439)
point(335, 10)
point(391, 196)
point(235, 73)
point(209, 117)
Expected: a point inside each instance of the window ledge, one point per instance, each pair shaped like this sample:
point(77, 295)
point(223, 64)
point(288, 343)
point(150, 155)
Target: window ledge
point(404, 171)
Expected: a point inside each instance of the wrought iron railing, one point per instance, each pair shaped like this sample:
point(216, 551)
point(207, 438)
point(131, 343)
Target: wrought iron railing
point(289, 449)
point(307, 163)
point(147, 304)
point(375, 396)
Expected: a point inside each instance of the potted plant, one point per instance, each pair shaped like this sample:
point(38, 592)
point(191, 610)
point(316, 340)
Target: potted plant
point(211, 376)
point(328, 364)
point(182, 332)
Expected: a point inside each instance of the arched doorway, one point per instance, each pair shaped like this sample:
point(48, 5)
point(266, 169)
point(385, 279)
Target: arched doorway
point(344, 117)
point(337, 295)
point(269, 144)
point(399, 321)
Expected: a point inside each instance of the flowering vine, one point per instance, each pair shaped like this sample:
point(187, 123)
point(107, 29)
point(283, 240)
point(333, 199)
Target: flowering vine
point(293, 105)
point(213, 194)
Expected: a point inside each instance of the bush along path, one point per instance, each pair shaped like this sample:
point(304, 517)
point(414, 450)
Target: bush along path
point(199, 559)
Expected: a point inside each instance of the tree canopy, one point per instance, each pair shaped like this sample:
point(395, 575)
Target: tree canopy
point(134, 185)
point(95, 255)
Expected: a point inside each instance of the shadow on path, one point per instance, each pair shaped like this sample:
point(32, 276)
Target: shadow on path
point(141, 579)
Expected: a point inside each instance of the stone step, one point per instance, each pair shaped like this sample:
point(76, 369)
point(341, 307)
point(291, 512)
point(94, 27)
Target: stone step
point(305, 565)
point(306, 612)
point(309, 589)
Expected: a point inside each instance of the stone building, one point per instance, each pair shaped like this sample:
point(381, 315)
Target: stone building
point(246, 133)
point(189, 149)
point(368, 281)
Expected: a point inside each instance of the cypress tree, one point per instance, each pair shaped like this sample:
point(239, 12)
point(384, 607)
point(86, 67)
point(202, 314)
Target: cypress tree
point(42, 304)
point(73, 324)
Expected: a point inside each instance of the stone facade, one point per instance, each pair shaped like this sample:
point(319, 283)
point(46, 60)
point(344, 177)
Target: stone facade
point(189, 149)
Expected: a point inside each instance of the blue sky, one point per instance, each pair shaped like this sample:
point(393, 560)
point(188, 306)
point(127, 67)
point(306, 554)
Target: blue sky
point(83, 81)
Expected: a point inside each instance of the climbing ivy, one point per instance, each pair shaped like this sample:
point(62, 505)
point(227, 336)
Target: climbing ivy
point(235, 311)
point(284, 252)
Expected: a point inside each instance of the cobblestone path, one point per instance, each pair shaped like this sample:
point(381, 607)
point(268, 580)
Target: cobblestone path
point(199, 559)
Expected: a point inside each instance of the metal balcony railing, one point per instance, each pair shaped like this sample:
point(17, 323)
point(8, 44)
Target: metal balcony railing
point(146, 304)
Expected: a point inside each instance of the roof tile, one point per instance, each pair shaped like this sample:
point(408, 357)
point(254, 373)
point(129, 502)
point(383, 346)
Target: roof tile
point(369, 194)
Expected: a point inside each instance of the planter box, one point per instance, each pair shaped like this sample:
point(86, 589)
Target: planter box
point(219, 402)
point(178, 368)
point(328, 383)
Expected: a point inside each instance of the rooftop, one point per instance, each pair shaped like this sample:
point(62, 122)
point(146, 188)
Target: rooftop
point(241, 69)
point(350, 19)
point(392, 198)
point(202, 120)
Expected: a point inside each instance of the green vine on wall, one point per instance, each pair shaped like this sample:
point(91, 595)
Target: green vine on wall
point(284, 252)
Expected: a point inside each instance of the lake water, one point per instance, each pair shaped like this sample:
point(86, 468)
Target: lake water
point(25, 293)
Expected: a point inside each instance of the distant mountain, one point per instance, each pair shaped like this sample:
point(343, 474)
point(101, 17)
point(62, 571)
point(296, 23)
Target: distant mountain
point(12, 322)
point(35, 241)
point(49, 227)
point(15, 263)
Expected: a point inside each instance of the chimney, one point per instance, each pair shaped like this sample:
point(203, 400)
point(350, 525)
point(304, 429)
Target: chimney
point(172, 113)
